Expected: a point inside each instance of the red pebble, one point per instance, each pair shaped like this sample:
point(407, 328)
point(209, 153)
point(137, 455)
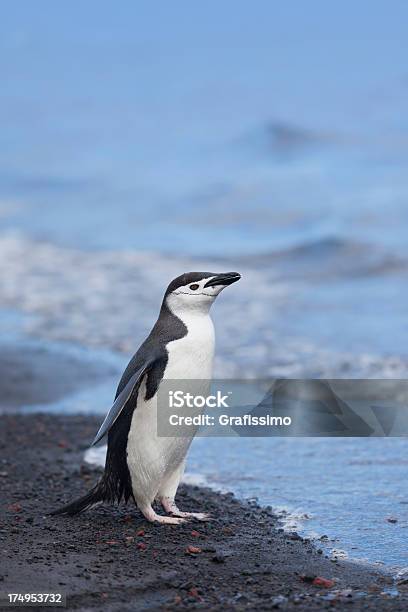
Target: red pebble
point(323, 582)
point(195, 534)
point(141, 532)
point(193, 550)
point(141, 545)
point(194, 593)
point(15, 507)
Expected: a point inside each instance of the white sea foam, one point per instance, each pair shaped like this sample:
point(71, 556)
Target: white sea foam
point(110, 299)
point(96, 456)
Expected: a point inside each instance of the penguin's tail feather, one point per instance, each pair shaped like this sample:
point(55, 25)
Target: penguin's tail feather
point(96, 495)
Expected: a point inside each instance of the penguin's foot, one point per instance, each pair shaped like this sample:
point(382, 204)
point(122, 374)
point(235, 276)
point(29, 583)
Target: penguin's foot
point(169, 520)
point(153, 517)
point(170, 507)
point(199, 516)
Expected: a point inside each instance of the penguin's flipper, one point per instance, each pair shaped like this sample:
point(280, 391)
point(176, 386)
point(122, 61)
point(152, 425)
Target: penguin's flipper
point(122, 398)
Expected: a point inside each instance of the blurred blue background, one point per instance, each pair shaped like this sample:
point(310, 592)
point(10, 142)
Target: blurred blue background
point(140, 140)
point(269, 136)
point(217, 127)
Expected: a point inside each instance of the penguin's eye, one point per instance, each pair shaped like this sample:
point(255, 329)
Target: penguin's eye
point(194, 287)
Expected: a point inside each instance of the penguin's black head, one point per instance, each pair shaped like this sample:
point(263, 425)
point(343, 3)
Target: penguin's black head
point(197, 290)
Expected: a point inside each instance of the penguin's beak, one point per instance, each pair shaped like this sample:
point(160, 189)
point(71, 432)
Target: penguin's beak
point(223, 279)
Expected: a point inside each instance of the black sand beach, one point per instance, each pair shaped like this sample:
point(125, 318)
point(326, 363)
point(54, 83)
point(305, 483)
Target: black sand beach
point(111, 559)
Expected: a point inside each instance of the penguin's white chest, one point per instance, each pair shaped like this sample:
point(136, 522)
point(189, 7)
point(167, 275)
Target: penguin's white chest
point(191, 357)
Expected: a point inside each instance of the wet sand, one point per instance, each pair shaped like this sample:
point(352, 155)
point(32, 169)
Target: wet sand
point(112, 559)
point(38, 373)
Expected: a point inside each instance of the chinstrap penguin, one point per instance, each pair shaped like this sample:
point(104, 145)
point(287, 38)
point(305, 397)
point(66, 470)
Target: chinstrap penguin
point(140, 464)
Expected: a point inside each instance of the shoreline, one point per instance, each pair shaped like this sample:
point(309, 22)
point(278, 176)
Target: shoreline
point(111, 556)
point(288, 520)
